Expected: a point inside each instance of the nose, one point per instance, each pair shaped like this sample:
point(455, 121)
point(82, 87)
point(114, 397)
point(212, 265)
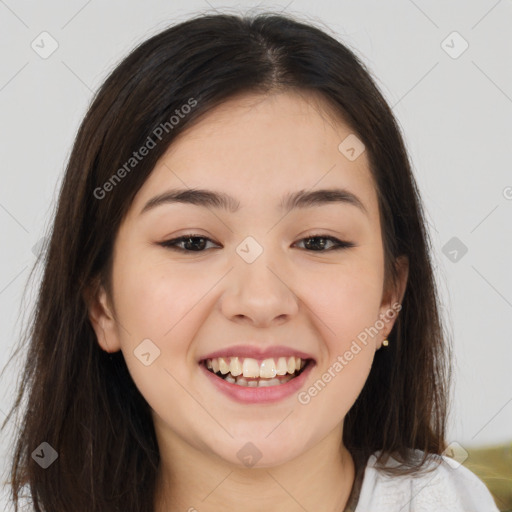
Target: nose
point(259, 293)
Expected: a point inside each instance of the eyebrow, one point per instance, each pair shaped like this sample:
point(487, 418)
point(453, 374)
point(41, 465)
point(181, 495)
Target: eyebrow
point(220, 200)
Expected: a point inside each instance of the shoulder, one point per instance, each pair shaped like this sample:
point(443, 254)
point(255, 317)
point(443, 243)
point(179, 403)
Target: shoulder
point(447, 487)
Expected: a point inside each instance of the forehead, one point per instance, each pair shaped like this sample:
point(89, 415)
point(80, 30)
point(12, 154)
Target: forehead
point(259, 148)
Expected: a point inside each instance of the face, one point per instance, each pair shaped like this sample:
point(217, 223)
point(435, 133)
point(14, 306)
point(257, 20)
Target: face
point(264, 282)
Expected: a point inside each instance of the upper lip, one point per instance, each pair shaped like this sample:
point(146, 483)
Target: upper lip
point(256, 352)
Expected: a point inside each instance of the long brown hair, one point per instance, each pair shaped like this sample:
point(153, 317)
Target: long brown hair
point(81, 400)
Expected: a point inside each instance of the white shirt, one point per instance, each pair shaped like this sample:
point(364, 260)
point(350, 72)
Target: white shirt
point(449, 487)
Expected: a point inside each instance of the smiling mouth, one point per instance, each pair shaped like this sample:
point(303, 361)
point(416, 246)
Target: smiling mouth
point(248, 372)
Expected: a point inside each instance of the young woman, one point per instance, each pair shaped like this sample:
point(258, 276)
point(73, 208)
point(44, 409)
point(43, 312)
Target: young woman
point(238, 308)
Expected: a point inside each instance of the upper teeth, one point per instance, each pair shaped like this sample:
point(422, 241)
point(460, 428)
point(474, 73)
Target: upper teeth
point(267, 369)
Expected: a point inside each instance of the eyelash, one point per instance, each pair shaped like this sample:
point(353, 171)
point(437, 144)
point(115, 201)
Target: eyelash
point(171, 244)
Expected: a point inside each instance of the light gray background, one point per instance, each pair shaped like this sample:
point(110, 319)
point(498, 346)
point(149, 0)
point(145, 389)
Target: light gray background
point(456, 115)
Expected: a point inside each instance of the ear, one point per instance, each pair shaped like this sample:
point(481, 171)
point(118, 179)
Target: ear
point(392, 299)
point(101, 315)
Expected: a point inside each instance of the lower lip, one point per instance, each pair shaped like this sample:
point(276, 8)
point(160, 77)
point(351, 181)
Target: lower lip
point(259, 395)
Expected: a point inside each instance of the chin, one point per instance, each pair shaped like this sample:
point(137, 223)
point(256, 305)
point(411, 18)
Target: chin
point(259, 453)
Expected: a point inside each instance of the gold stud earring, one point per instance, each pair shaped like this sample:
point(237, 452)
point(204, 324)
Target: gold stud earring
point(385, 343)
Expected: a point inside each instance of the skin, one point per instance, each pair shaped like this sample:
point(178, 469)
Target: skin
point(257, 149)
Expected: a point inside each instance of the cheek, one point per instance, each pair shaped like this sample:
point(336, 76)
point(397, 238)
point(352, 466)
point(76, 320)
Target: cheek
point(345, 297)
point(165, 304)
point(336, 387)
point(157, 304)
point(346, 304)
point(153, 298)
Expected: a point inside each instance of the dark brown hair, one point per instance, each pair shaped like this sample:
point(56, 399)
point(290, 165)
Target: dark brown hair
point(82, 400)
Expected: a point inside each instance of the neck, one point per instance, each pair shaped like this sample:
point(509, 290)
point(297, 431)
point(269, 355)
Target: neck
point(320, 479)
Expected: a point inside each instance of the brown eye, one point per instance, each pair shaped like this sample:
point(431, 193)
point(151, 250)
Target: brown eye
point(191, 243)
point(320, 241)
